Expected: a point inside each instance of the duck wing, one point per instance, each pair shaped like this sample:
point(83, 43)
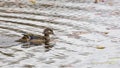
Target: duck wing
point(34, 36)
point(37, 37)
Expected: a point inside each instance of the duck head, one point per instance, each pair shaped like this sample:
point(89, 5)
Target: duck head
point(48, 31)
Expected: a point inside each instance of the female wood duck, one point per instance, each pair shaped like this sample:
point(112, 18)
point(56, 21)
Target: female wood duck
point(37, 39)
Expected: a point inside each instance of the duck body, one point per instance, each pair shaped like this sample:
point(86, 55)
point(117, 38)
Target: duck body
point(36, 42)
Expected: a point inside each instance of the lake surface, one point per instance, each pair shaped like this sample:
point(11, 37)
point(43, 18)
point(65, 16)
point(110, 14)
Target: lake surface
point(87, 35)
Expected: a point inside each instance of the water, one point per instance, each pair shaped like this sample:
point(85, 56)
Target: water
point(80, 30)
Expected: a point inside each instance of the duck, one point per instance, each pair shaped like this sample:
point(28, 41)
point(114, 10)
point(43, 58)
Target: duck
point(34, 39)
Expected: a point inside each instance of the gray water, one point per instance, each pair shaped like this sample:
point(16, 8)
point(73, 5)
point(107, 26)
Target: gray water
point(87, 35)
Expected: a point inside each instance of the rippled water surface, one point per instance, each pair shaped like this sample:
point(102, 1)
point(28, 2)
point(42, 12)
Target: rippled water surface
point(87, 35)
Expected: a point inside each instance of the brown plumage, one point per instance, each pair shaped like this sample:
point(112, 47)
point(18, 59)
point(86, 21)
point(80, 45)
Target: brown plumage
point(37, 41)
point(24, 39)
point(96, 1)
